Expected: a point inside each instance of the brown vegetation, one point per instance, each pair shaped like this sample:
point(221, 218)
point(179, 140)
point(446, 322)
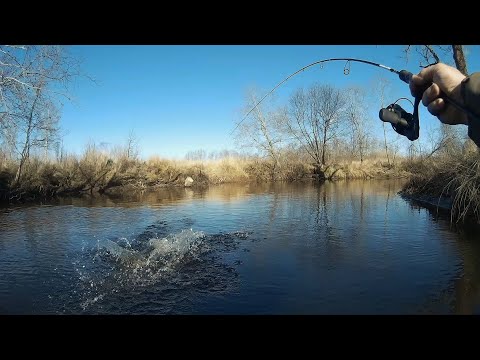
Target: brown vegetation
point(98, 171)
point(454, 177)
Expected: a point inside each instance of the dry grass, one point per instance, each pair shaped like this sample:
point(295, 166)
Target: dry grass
point(97, 170)
point(466, 187)
point(455, 177)
point(372, 168)
point(226, 170)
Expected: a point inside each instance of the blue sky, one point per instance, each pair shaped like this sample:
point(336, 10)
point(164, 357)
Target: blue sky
point(178, 98)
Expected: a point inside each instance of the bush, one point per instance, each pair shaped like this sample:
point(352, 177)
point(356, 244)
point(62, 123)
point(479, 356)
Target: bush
point(456, 177)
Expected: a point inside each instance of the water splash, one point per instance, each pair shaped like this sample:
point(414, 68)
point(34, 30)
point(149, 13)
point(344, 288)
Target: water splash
point(174, 248)
point(159, 254)
point(173, 267)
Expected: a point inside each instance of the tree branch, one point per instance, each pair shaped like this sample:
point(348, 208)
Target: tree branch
point(433, 53)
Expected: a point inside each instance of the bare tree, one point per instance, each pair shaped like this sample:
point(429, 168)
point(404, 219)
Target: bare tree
point(196, 155)
point(316, 119)
point(381, 88)
point(356, 113)
point(394, 149)
point(439, 138)
point(31, 80)
point(132, 149)
point(37, 126)
point(340, 149)
point(433, 53)
point(263, 130)
point(412, 150)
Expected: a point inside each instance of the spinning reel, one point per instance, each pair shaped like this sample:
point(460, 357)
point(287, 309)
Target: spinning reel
point(402, 122)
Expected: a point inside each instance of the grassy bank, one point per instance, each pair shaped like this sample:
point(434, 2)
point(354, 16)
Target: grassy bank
point(98, 171)
point(374, 168)
point(449, 180)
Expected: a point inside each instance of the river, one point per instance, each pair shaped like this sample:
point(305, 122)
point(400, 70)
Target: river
point(335, 248)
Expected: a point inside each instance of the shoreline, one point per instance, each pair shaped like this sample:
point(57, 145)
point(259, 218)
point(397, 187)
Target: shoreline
point(10, 198)
point(432, 203)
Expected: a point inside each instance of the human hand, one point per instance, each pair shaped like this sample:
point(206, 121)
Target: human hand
point(446, 79)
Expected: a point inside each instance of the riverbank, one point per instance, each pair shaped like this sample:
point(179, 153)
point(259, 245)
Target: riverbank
point(97, 173)
point(450, 182)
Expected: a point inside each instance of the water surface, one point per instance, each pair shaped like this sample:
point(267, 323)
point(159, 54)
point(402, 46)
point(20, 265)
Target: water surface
point(336, 248)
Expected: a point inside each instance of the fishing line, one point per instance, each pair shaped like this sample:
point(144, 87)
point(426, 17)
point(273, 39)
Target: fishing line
point(346, 71)
point(402, 122)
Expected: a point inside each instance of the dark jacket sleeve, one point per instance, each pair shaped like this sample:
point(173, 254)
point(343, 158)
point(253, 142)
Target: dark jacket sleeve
point(471, 98)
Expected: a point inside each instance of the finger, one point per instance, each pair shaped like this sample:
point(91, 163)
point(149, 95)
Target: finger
point(430, 94)
point(417, 85)
point(436, 107)
point(446, 113)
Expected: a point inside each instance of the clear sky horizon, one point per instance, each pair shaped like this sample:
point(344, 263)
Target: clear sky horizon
point(179, 98)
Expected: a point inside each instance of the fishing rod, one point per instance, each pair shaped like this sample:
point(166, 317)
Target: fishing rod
point(402, 122)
